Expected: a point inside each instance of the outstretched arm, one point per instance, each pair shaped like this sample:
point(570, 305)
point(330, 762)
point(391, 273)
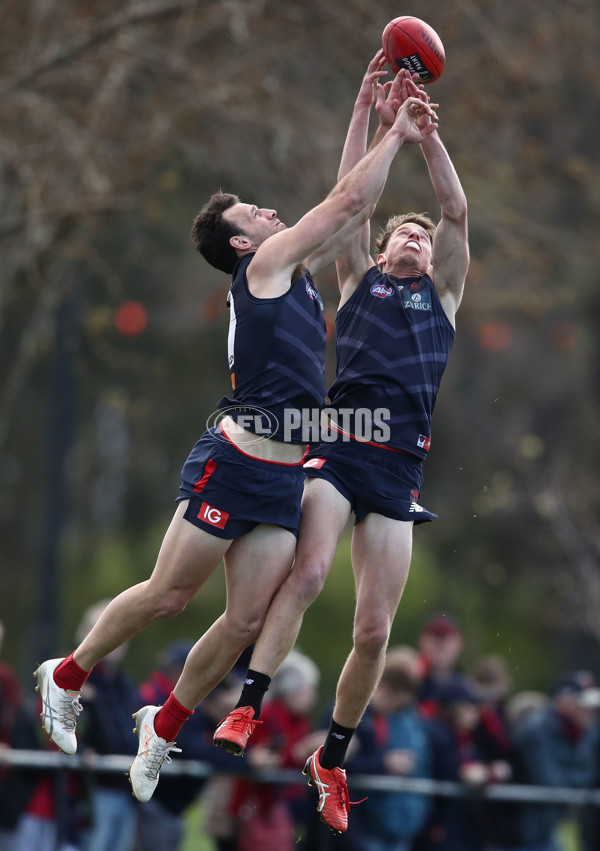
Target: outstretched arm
point(270, 270)
point(355, 147)
point(450, 254)
point(355, 258)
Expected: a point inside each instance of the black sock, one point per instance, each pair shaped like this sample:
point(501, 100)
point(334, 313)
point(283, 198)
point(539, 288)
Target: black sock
point(336, 745)
point(254, 689)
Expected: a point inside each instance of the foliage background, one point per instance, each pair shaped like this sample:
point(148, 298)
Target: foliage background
point(118, 120)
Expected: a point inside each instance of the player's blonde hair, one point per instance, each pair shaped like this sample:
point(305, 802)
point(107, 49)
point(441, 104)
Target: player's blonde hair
point(395, 221)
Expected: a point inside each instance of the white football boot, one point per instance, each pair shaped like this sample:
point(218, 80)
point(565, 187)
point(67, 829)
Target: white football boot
point(152, 753)
point(60, 707)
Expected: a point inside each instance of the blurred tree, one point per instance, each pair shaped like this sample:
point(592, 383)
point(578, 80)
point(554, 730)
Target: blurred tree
point(120, 118)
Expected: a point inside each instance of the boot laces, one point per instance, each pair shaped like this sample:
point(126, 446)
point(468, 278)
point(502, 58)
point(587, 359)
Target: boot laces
point(342, 794)
point(241, 723)
point(70, 707)
point(156, 755)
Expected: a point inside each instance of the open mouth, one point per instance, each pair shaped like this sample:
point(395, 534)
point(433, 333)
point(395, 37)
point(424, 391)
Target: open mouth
point(412, 244)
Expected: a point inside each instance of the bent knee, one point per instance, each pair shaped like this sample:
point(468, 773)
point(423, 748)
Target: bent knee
point(371, 639)
point(171, 603)
point(243, 630)
point(307, 580)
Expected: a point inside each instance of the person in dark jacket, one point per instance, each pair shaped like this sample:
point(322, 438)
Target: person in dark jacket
point(106, 728)
point(556, 747)
point(440, 646)
point(454, 823)
point(17, 730)
point(161, 822)
point(393, 742)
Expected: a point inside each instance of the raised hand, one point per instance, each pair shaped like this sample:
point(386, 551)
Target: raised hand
point(416, 119)
point(391, 96)
point(368, 90)
point(413, 90)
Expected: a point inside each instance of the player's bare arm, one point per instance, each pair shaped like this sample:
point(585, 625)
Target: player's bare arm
point(355, 148)
point(355, 144)
point(355, 258)
point(270, 271)
point(353, 262)
point(450, 251)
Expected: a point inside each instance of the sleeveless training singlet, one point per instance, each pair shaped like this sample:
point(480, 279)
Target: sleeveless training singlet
point(392, 343)
point(276, 350)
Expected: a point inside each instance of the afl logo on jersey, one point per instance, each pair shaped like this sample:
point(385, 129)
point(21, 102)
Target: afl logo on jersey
point(381, 291)
point(314, 294)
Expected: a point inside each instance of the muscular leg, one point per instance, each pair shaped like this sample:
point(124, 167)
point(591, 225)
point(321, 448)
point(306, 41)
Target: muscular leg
point(381, 553)
point(188, 556)
point(324, 515)
point(255, 566)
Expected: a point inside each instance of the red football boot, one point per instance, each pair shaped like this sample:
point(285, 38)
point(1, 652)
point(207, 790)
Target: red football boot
point(334, 804)
point(235, 729)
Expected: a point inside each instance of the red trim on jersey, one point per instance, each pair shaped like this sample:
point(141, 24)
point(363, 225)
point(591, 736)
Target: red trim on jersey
point(209, 469)
point(335, 427)
point(264, 460)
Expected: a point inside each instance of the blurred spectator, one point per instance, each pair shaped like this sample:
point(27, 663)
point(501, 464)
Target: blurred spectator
point(392, 741)
point(493, 683)
point(51, 819)
point(522, 704)
point(55, 817)
point(407, 657)
point(454, 824)
point(161, 822)
point(493, 740)
point(273, 817)
point(556, 746)
point(106, 728)
point(158, 686)
point(17, 730)
point(440, 646)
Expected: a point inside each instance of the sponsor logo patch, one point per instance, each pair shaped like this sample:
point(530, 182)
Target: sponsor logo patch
point(416, 301)
point(414, 507)
point(209, 514)
point(424, 442)
point(381, 291)
point(314, 294)
point(315, 462)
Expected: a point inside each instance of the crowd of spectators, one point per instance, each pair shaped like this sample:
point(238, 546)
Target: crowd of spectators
point(428, 719)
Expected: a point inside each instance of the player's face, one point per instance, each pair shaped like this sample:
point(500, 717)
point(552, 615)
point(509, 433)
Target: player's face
point(408, 248)
point(257, 223)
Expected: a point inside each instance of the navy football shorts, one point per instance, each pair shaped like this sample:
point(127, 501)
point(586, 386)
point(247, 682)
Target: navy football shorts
point(231, 492)
point(372, 479)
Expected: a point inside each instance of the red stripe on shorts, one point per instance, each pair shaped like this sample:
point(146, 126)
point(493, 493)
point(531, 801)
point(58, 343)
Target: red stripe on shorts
point(209, 469)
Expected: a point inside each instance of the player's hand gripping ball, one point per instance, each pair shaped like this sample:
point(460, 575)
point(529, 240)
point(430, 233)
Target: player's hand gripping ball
point(411, 43)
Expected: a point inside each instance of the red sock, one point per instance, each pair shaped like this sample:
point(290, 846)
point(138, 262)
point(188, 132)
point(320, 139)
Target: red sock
point(171, 718)
point(70, 675)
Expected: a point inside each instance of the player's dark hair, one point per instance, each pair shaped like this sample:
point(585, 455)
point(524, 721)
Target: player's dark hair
point(395, 222)
point(211, 232)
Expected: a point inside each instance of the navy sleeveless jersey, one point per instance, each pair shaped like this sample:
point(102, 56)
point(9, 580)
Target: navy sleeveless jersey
point(392, 343)
point(276, 350)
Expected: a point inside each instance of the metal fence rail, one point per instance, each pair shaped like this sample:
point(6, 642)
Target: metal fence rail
point(118, 764)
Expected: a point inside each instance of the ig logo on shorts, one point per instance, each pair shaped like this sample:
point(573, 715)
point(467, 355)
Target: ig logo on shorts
point(209, 514)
